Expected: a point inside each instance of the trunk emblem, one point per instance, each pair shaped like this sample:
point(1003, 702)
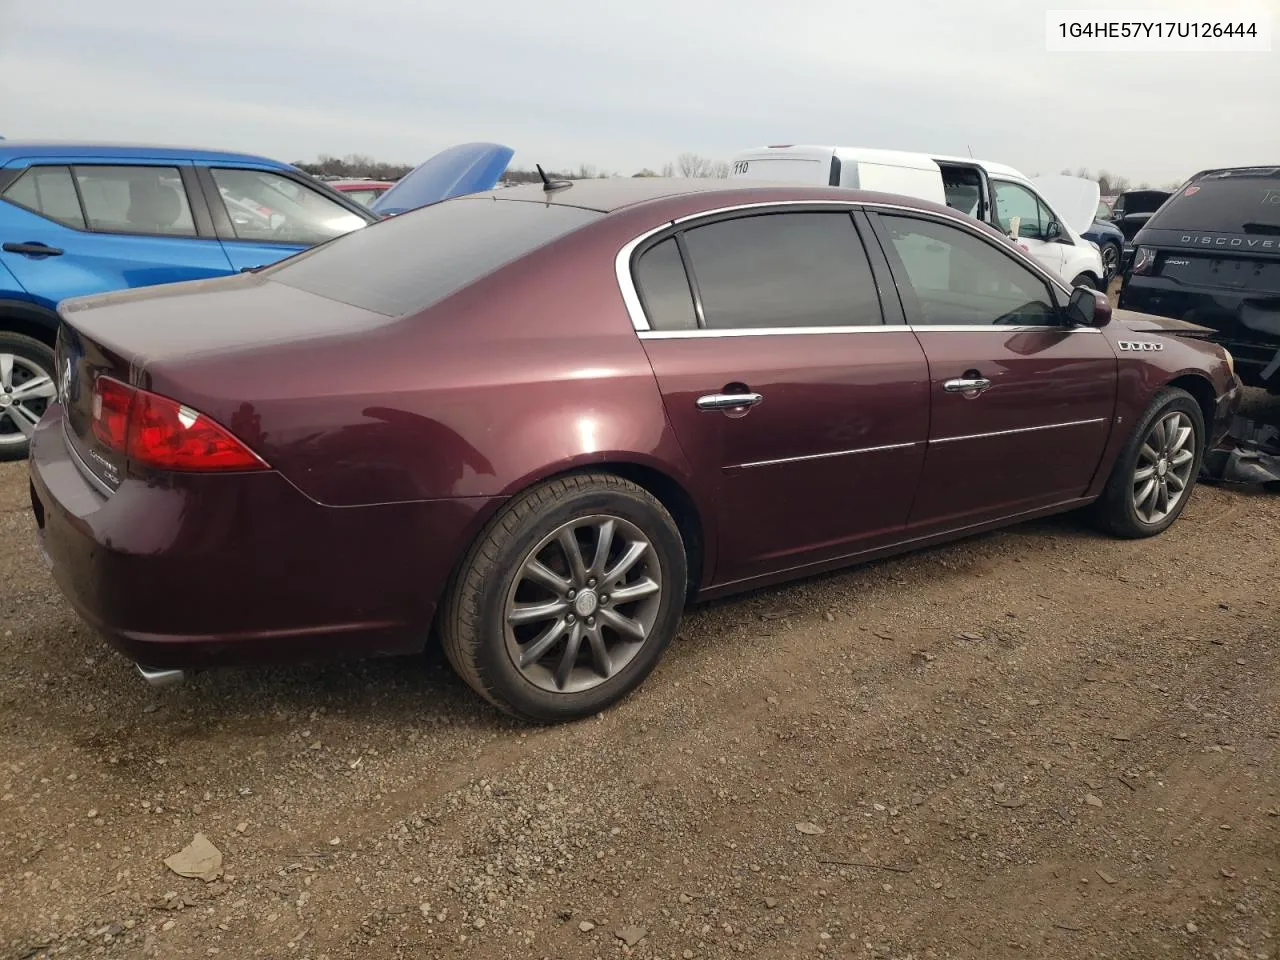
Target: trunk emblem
point(1139, 345)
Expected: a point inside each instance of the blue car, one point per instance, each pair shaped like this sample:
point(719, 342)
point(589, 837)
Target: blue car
point(78, 219)
point(1110, 241)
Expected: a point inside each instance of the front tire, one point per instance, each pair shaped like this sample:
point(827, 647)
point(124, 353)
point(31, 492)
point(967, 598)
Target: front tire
point(567, 599)
point(1156, 470)
point(27, 387)
point(1085, 280)
point(1110, 261)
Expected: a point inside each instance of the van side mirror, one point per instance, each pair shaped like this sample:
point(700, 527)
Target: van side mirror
point(1088, 308)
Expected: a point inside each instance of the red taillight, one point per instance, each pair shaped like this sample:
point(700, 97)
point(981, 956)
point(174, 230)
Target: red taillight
point(111, 403)
point(158, 432)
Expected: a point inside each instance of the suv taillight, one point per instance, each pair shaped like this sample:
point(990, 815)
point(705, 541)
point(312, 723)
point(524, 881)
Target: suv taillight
point(1144, 261)
point(161, 433)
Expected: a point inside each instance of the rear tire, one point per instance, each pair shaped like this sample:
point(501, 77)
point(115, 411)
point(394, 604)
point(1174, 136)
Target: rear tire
point(1122, 509)
point(552, 644)
point(23, 361)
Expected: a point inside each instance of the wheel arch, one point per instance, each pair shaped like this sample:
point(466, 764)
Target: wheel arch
point(660, 481)
point(1201, 389)
point(30, 320)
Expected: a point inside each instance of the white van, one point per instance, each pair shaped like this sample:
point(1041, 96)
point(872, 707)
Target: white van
point(1045, 216)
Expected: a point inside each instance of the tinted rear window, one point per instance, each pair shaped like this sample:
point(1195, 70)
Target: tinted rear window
point(1225, 203)
point(409, 262)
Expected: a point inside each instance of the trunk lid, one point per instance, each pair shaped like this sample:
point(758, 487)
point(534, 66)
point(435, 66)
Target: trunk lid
point(134, 335)
point(455, 172)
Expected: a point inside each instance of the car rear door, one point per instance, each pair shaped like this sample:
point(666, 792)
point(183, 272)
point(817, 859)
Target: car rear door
point(266, 215)
point(79, 227)
point(1021, 404)
point(784, 383)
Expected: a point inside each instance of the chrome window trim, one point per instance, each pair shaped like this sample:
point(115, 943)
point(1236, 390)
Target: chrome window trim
point(824, 456)
point(631, 297)
point(767, 331)
point(881, 328)
point(627, 284)
point(996, 328)
point(1005, 433)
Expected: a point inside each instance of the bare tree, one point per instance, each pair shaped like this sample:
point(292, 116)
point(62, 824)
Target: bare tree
point(719, 169)
point(693, 165)
point(668, 170)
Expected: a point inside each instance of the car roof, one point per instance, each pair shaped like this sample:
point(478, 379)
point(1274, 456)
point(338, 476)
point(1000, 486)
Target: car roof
point(607, 194)
point(27, 149)
point(681, 196)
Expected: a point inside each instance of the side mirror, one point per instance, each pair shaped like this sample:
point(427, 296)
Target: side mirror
point(1088, 308)
point(1053, 231)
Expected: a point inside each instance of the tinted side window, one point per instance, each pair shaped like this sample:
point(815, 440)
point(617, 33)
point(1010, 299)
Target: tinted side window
point(959, 279)
point(1013, 200)
point(664, 288)
point(135, 200)
point(267, 206)
point(49, 192)
point(783, 270)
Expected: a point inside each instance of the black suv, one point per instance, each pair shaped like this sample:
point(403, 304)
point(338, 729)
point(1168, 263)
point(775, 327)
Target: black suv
point(1211, 255)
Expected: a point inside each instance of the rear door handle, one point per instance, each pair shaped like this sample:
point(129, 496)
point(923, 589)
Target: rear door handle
point(974, 385)
point(728, 401)
point(33, 249)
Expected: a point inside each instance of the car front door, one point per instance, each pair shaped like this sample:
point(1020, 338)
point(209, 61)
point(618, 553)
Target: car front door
point(1014, 200)
point(784, 383)
point(84, 228)
point(1021, 403)
point(263, 215)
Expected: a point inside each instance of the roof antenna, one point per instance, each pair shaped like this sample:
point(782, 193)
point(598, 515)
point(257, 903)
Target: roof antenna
point(548, 184)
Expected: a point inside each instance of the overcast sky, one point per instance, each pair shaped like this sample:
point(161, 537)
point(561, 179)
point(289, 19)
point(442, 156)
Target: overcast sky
point(625, 85)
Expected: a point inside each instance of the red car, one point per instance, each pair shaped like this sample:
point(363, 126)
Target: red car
point(362, 191)
point(536, 422)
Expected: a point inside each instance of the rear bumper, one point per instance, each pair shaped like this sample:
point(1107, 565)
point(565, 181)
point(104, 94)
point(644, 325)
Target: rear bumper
point(1247, 324)
point(240, 568)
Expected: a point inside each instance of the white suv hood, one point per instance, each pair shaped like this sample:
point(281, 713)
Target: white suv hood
point(1074, 199)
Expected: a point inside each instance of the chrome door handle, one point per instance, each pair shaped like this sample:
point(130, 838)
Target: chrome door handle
point(728, 401)
point(966, 385)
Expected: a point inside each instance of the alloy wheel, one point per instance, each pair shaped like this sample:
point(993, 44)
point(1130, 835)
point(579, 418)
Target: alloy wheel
point(582, 604)
point(1162, 474)
point(25, 391)
point(1110, 259)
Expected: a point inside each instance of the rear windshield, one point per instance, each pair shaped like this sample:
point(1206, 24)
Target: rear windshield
point(1225, 203)
point(409, 262)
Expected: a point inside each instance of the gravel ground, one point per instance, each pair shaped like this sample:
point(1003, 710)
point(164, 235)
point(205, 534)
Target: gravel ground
point(1037, 743)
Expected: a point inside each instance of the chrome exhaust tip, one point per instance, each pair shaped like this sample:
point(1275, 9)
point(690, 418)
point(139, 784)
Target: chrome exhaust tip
point(160, 677)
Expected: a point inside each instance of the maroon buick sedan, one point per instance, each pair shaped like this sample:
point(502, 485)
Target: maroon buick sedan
point(536, 423)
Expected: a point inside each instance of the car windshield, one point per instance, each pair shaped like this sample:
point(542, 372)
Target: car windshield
point(1230, 202)
point(407, 263)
